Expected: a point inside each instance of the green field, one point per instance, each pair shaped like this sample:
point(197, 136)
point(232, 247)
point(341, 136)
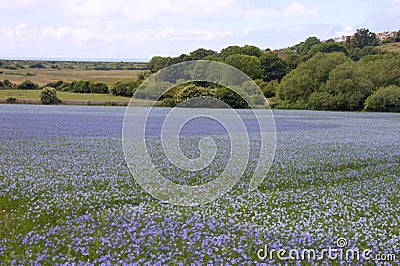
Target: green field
point(63, 96)
point(46, 75)
point(389, 47)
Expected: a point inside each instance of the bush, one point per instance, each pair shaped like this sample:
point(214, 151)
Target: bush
point(99, 88)
point(8, 84)
point(28, 85)
point(231, 98)
point(81, 86)
point(126, 89)
point(11, 100)
point(59, 85)
point(37, 65)
point(269, 89)
point(321, 101)
point(49, 96)
point(386, 99)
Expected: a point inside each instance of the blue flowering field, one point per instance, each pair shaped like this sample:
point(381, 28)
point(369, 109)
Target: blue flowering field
point(67, 196)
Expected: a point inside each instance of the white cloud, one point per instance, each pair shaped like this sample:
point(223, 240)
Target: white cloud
point(294, 9)
point(21, 25)
point(145, 10)
point(346, 31)
point(388, 18)
point(28, 5)
point(114, 28)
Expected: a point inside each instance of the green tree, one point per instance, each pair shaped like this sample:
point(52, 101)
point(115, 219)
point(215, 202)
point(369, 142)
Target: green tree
point(386, 99)
point(59, 85)
point(397, 37)
point(28, 85)
point(48, 95)
point(363, 37)
point(99, 88)
point(382, 69)
point(81, 86)
point(308, 77)
point(201, 53)
point(251, 50)
point(306, 46)
point(357, 53)
point(192, 91)
point(230, 50)
point(231, 98)
point(8, 84)
point(157, 63)
point(126, 89)
point(269, 89)
point(328, 47)
point(248, 64)
point(37, 65)
point(348, 88)
point(273, 67)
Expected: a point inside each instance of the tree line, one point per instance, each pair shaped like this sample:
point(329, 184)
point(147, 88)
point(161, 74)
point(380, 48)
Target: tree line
point(78, 65)
point(81, 86)
point(350, 75)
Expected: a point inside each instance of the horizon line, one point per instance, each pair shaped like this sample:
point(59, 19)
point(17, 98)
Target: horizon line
point(77, 59)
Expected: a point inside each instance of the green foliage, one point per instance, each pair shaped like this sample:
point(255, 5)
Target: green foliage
point(251, 50)
point(357, 53)
point(157, 63)
point(273, 67)
point(301, 52)
point(143, 75)
point(191, 91)
point(185, 92)
point(81, 86)
point(1, 84)
point(248, 64)
point(304, 47)
point(231, 98)
point(230, 50)
point(59, 85)
point(200, 53)
point(328, 47)
point(126, 89)
point(10, 67)
point(48, 95)
point(269, 89)
point(8, 84)
point(397, 37)
point(37, 65)
point(78, 65)
point(322, 100)
point(386, 99)
point(308, 77)
point(99, 88)
point(382, 69)
point(11, 100)
point(347, 87)
point(362, 38)
point(28, 85)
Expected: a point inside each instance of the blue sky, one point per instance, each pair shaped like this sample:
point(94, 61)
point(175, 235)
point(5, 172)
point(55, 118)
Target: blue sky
point(130, 29)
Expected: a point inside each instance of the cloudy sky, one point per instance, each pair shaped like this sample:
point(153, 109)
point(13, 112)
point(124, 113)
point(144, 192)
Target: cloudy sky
point(131, 29)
